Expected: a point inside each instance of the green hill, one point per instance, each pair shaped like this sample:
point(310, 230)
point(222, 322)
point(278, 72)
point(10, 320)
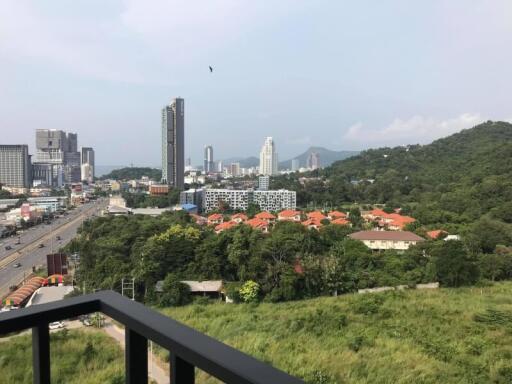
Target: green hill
point(134, 173)
point(455, 179)
point(421, 337)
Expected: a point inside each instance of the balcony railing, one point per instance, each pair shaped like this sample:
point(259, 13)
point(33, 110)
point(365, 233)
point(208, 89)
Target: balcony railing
point(188, 348)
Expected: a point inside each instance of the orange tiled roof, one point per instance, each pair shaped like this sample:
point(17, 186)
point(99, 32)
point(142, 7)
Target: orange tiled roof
point(337, 214)
point(316, 215)
point(435, 234)
point(312, 222)
point(265, 216)
point(226, 225)
point(239, 216)
point(289, 213)
point(215, 216)
point(257, 223)
point(341, 221)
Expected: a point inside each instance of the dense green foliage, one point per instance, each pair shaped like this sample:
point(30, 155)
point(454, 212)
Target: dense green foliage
point(289, 263)
point(76, 357)
point(453, 180)
point(143, 200)
point(447, 336)
point(134, 173)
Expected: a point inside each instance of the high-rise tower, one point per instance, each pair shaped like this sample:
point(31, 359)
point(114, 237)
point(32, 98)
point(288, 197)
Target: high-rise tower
point(173, 143)
point(268, 158)
point(208, 159)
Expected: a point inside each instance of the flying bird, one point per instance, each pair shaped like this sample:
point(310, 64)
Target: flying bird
point(211, 69)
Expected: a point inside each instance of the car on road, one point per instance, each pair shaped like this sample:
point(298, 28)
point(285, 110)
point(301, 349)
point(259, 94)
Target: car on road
point(41, 245)
point(17, 265)
point(8, 247)
point(58, 238)
point(56, 325)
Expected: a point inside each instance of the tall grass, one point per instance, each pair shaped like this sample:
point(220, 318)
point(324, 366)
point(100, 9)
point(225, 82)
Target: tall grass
point(445, 336)
point(76, 357)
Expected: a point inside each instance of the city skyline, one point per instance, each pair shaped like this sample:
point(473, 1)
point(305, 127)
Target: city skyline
point(365, 89)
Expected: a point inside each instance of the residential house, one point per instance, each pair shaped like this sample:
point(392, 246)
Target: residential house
point(239, 218)
point(266, 216)
point(289, 215)
point(225, 226)
point(215, 219)
point(260, 224)
point(382, 240)
point(334, 215)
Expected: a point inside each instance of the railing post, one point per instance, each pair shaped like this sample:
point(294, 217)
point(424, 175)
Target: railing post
point(41, 354)
point(182, 372)
point(136, 357)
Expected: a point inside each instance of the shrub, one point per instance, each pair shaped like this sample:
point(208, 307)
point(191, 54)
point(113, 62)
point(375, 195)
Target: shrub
point(249, 292)
point(175, 293)
point(368, 304)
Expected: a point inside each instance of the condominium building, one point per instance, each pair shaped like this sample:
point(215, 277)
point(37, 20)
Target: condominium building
point(208, 165)
point(15, 166)
point(87, 163)
point(275, 200)
point(263, 183)
point(234, 169)
point(192, 196)
point(268, 158)
point(173, 143)
point(313, 161)
point(57, 158)
point(241, 199)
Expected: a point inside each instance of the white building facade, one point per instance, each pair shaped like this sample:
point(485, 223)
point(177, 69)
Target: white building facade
point(268, 158)
point(241, 199)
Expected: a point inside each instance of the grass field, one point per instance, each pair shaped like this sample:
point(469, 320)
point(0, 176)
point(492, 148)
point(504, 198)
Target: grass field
point(77, 357)
point(444, 336)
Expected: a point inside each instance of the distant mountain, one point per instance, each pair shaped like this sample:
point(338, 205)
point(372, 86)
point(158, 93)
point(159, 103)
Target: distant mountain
point(327, 157)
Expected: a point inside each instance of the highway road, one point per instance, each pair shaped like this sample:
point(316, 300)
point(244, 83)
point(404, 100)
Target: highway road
point(28, 253)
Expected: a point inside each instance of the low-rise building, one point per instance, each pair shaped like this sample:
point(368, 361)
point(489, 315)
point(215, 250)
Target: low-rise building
point(158, 190)
point(289, 215)
point(382, 240)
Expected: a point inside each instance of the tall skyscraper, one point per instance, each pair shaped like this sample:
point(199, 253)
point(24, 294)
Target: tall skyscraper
point(15, 166)
point(173, 143)
point(57, 158)
point(268, 158)
point(87, 163)
point(313, 161)
point(208, 165)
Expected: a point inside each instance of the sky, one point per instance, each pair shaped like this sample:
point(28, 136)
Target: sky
point(346, 75)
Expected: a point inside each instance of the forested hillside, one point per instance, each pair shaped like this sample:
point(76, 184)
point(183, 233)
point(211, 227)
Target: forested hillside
point(130, 173)
point(452, 180)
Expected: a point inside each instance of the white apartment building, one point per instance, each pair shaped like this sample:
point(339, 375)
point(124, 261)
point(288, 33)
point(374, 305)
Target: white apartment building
point(275, 200)
point(240, 199)
point(268, 158)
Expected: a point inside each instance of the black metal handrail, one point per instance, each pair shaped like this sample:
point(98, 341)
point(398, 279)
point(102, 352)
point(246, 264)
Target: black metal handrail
point(188, 347)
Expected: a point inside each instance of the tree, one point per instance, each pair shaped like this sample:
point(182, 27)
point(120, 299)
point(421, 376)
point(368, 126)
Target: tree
point(454, 265)
point(175, 293)
point(249, 292)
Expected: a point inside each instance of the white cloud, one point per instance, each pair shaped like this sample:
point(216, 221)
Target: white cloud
point(417, 129)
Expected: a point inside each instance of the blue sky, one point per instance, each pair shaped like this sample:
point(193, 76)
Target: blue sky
point(340, 74)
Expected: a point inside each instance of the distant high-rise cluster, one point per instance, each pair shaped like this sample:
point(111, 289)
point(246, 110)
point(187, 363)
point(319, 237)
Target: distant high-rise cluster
point(173, 143)
point(295, 165)
point(57, 159)
point(268, 158)
point(209, 165)
point(313, 161)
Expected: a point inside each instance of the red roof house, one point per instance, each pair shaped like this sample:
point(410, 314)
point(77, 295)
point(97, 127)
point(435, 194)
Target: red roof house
point(266, 216)
point(289, 215)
